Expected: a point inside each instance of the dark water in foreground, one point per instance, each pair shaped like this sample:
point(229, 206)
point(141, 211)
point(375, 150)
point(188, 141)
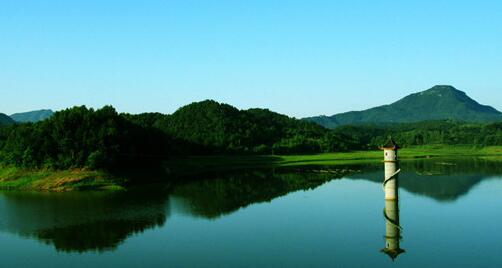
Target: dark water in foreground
point(450, 214)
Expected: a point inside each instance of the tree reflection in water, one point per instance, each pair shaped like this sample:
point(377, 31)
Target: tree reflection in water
point(101, 221)
point(80, 222)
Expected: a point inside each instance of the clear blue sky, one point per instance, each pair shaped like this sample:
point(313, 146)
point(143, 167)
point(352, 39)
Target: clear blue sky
point(301, 58)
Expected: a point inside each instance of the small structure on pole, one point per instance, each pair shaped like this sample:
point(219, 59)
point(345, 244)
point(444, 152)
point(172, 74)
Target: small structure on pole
point(391, 211)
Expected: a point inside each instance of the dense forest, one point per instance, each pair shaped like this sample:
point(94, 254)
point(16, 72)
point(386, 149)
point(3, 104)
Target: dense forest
point(105, 139)
point(83, 137)
point(446, 132)
point(79, 137)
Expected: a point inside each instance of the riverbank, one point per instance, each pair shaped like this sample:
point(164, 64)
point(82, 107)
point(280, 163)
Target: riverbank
point(12, 178)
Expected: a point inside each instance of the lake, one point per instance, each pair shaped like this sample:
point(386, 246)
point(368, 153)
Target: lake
point(449, 216)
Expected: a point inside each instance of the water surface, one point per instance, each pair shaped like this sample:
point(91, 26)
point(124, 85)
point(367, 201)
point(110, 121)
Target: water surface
point(449, 213)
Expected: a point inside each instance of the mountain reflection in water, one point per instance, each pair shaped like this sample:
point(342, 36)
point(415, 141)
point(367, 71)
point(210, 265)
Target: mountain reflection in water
point(99, 221)
point(443, 180)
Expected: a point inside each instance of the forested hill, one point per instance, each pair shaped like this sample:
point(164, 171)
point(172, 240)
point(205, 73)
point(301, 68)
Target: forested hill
point(83, 137)
point(215, 127)
point(437, 103)
point(5, 120)
point(33, 116)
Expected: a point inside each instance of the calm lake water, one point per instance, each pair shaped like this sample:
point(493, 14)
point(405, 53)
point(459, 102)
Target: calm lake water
point(449, 210)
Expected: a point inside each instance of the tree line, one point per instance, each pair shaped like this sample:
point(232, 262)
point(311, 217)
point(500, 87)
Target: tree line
point(445, 132)
point(104, 138)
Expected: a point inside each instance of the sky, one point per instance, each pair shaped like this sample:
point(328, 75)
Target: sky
point(300, 58)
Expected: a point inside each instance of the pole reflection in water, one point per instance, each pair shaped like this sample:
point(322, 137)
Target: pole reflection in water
point(391, 211)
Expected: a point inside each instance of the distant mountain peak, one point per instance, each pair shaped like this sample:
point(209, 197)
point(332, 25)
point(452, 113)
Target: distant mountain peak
point(443, 88)
point(437, 103)
point(442, 91)
point(32, 116)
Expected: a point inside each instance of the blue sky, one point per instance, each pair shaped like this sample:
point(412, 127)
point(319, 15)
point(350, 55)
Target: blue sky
point(301, 58)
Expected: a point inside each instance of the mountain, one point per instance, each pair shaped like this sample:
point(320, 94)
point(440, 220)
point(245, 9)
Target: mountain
point(33, 116)
point(5, 120)
point(437, 103)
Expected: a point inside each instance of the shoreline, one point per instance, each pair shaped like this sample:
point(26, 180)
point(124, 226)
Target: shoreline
point(42, 180)
point(19, 179)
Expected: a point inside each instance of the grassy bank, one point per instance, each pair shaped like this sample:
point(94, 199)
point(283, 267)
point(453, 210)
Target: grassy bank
point(80, 179)
point(12, 178)
point(404, 154)
point(220, 163)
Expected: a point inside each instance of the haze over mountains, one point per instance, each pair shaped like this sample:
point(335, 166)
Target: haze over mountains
point(27, 117)
point(33, 116)
point(437, 103)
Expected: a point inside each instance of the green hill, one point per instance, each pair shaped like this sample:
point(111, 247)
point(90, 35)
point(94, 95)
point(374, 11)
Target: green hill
point(33, 116)
point(5, 120)
point(224, 128)
point(437, 103)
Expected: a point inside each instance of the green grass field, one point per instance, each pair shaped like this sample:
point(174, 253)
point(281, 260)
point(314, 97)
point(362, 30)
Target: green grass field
point(80, 179)
point(228, 162)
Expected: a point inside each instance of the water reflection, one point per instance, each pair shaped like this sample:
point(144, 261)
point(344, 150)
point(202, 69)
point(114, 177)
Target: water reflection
point(83, 222)
point(99, 221)
point(80, 222)
point(222, 195)
point(392, 229)
point(444, 180)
